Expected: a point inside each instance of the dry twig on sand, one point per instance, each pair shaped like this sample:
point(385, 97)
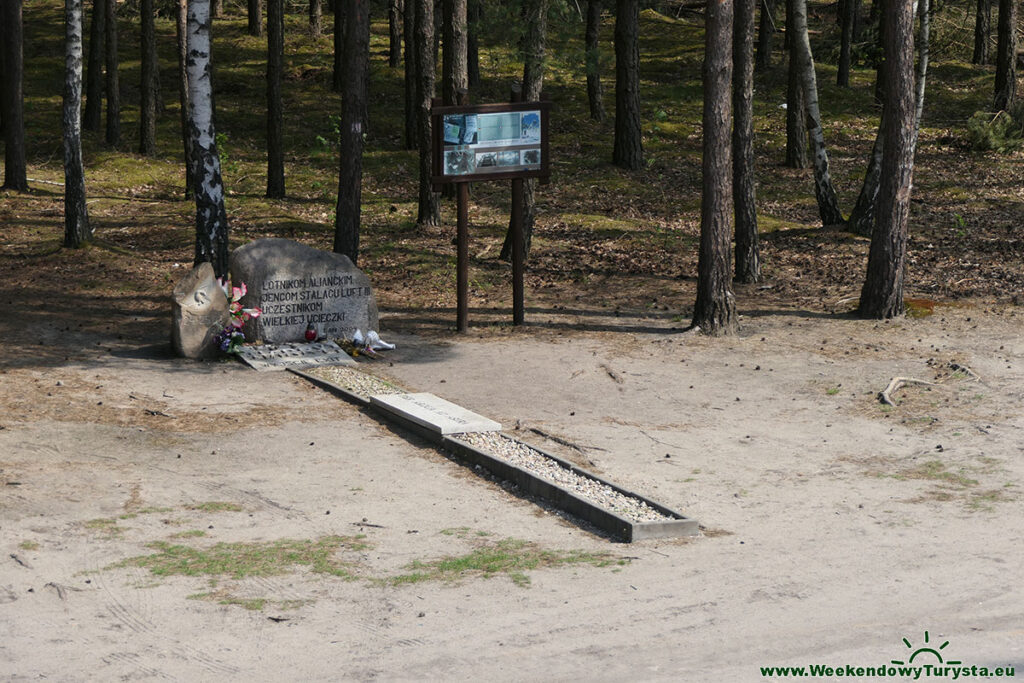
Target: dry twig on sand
point(885, 396)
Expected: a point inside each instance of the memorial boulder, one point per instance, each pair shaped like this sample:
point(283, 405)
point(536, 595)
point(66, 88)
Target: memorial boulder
point(297, 287)
point(199, 313)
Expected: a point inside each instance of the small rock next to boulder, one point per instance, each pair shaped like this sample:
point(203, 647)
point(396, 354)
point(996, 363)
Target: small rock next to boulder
point(199, 313)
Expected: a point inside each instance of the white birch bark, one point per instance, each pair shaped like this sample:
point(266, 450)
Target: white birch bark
point(77, 230)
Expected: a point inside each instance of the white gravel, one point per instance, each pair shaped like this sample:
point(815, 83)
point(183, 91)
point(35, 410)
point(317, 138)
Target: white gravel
point(541, 465)
point(359, 383)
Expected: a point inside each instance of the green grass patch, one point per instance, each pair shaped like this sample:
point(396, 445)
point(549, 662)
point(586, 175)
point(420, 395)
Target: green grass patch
point(215, 506)
point(28, 545)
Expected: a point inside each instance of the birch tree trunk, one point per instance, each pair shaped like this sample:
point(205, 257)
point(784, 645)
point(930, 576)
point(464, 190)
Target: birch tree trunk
point(748, 262)
point(828, 205)
point(181, 17)
point(715, 309)
point(77, 230)
point(882, 294)
point(353, 113)
point(211, 218)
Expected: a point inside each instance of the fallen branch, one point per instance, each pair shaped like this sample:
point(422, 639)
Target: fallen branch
point(957, 367)
point(885, 396)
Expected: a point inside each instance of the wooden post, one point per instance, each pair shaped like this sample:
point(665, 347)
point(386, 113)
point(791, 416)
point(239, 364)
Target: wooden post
point(462, 241)
point(518, 251)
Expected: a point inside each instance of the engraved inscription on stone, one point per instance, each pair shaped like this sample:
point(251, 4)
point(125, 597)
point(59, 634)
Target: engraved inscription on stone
point(435, 413)
point(283, 356)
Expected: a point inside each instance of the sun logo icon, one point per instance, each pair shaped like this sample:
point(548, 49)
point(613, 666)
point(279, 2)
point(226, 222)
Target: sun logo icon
point(924, 650)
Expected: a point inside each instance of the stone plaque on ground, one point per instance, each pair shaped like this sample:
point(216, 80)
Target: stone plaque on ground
point(298, 356)
point(297, 286)
point(435, 413)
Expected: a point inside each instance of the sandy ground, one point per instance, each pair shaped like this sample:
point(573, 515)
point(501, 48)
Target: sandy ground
point(833, 528)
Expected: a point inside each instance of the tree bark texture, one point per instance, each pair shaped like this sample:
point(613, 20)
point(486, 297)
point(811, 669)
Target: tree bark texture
point(77, 230)
point(411, 106)
point(982, 29)
point(715, 308)
point(796, 124)
point(211, 217)
point(748, 262)
point(473, 43)
point(534, 48)
point(454, 70)
point(828, 204)
point(12, 98)
point(882, 294)
point(353, 112)
point(429, 209)
point(847, 9)
point(628, 145)
point(113, 131)
point(394, 33)
point(592, 43)
point(765, 33)
point(217, 9)
point(315, 24)
point(1006, 56)
point(92, 120)
point(255, 15)
point(275, 109)
point(181, 22)
point(148, 88)
point(338, 76)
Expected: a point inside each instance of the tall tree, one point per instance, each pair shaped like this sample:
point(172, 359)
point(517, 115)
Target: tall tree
point(149, 87)
point(748, 261)
point(595, 93)
point(181, 22)
point(315, 13)
point(715, 308)
point(211, 218)
point(275, 110)
point(1006, 55)
point(353, 113)
point(394, 33)
point(796, 123)
point(473, 43)
point(113, 134)
point(77, 230)
point(982, 29)
point(628, 150)
point(824, 192)
point(11, 99)
point(411, 105)
point(92, 120)
point(429, 209)
point(454, 69)
point(765, 33)
point(534, 46)
point(882, 294)
point(255, 17)
point(847, 8)
point(338, 76)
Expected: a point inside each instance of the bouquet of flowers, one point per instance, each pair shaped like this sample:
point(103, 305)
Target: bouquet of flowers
point(232, 337)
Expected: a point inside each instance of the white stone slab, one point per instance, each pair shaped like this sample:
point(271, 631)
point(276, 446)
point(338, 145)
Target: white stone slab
point(264, 357)
point(435, 413)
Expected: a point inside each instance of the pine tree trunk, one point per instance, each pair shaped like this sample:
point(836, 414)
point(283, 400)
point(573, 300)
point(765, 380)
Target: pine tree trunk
point(12, 98)
point(411, 106)
point(627, 151)
point(595, 93)
point(338, 76)
point(796, 124)
point(77, 230)
point(848, 8)
point(315, 13)
point(255, 15)
point(218, 8)
point(473, 43)
point(394, 33)
point(882, 294)
point(113, 132)
point(92, 120)
point(748, 262)
point(765, 32)
point(982, 29)
point(275, 111)
point(148, 88)
point(211, 218)
point(353, 112)
point(828, 205)
point(1006, 56)
point(429, 209)
point(454, 70)
point(715, 309)
point(181, 16)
